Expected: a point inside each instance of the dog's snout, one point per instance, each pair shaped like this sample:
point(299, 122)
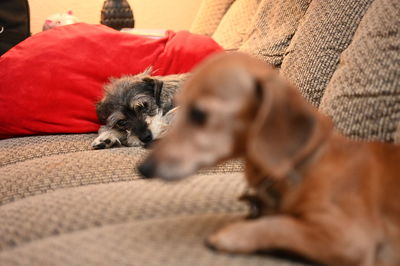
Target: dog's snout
point(148, 168)
point(146, 137)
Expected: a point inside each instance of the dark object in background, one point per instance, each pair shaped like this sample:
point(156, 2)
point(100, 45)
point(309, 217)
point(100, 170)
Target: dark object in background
point(14, 23)
point(117, 14)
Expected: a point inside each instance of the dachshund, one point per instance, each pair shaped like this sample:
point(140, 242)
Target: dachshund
point(319, 194)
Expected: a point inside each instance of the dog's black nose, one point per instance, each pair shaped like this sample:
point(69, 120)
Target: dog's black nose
point(147, 137)
point(148, 168)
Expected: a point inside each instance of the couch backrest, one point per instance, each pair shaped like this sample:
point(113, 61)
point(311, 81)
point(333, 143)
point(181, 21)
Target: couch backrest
point(343, 55)
point(363, 95)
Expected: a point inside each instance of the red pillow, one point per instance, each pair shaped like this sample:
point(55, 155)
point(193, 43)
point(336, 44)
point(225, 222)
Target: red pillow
point(50, 82)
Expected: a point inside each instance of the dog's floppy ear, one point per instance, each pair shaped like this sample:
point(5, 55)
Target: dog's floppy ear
point(103, 110)
point(157, 86)
point(286, 129)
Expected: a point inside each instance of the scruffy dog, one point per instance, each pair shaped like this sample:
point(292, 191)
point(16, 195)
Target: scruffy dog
point(318, 193)
point(136, 109)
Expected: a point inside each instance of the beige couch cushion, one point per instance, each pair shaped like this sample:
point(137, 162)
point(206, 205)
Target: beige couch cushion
point(273, 27)
point(234, 27)
point(62, 203)
point(363, 96)
point(325, 31)
point(36, 165)
point(171, 241)
point(67, 210)
point(209, 16)
point(16, 150)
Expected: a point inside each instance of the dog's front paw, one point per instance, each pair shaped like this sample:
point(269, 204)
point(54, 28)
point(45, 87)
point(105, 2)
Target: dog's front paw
point(105, 141)
point(235, 238)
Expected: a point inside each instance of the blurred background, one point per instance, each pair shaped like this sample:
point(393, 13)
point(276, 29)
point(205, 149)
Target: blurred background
point(149, 14)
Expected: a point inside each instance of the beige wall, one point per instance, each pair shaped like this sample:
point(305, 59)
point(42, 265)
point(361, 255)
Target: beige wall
point(149, 14)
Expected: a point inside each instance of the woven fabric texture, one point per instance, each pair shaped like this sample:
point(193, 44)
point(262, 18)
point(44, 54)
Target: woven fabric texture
point(273, 28)
point(313, 54)
point(20, 149)
point(234, 27)
point(56, 212)
point(62, 203)
point(36, 166)
point(363, 97)
point(167, 242)
point(209, 16)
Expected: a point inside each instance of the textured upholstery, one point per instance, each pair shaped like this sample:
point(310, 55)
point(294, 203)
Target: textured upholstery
point(55, 212)
point(168, 242)
point(62, 203)
point(273, 27)
point(235, 25)
point(313, 54)
point(39, 164)
point(209, 16)
point(363, 96)
point(21, 149)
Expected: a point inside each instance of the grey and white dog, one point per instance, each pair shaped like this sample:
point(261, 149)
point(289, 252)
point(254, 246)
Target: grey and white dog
point(137, 109)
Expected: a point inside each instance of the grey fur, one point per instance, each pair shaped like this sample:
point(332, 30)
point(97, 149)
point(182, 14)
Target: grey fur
point(135, 105)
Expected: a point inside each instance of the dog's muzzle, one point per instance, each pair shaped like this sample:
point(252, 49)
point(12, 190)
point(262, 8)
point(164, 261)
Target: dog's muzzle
point(146, 137)
point(148, 168)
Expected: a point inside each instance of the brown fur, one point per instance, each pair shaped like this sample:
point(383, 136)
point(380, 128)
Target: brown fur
point(336, 198)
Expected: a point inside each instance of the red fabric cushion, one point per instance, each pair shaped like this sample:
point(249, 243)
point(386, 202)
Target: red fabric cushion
point(50, 82)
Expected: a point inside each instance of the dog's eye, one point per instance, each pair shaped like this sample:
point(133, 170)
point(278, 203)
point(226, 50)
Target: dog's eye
point(197, 116)
point(121, 123)
point(140, 108)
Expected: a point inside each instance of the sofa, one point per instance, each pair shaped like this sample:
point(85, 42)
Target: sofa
point(62, 203)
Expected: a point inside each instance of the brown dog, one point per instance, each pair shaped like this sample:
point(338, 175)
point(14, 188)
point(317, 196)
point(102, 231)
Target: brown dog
point(322, 195)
